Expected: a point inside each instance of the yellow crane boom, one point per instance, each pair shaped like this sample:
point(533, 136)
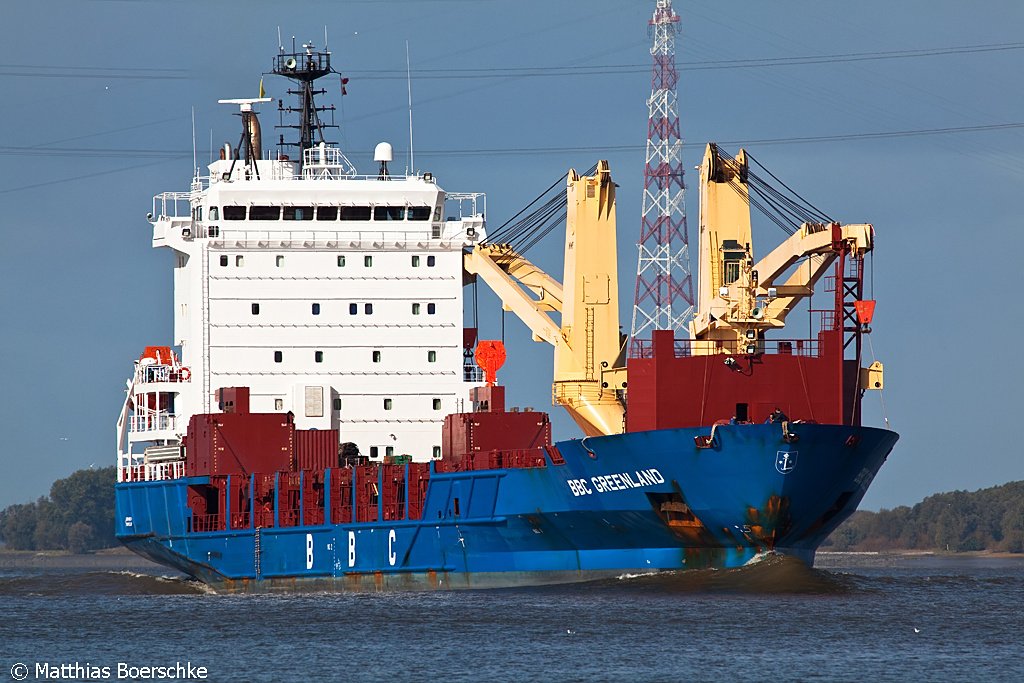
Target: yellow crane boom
point(738, 300)
point(589, 377)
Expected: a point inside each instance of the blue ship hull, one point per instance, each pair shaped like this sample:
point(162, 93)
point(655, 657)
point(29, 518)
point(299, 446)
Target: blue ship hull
point(635, 502)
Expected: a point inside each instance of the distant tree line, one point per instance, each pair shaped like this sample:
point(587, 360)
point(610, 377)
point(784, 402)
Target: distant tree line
point(989, 519)
point(78, 515)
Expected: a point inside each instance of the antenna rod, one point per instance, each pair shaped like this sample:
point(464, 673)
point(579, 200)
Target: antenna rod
point(195, 162)
point(408, 80)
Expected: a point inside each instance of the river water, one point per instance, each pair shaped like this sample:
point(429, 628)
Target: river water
point(926, 619)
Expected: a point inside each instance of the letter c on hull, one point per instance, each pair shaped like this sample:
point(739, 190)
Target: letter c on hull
point(392, 557)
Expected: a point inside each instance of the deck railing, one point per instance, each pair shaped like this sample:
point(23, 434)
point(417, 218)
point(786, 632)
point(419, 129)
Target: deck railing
point(684, 348)
point(152, 422)
point(154, 471)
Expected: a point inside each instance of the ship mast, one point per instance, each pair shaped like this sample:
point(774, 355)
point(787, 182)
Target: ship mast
point(304, 68)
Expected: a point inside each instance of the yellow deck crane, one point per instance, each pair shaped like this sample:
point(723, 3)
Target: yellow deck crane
point(589, 367)
point(739, 299)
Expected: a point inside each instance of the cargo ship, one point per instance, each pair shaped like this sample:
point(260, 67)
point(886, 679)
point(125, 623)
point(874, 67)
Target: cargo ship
point(325, 419)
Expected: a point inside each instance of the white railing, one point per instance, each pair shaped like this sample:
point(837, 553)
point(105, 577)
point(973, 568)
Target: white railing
point(149, 374)
point(153, 472)
point(151, 422)
point(477, 202)
point(225, 235)
point(172, 205)
point(323, 162)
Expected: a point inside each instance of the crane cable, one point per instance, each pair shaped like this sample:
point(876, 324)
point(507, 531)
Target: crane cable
point(523, 232)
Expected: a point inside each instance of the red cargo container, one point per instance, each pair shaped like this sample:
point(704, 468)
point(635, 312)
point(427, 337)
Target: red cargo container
point(313, 498)
point(316, 449)
point(476, 432)
point(228, 443)
point(341, 495)
point(419, 479)
point(367, 493)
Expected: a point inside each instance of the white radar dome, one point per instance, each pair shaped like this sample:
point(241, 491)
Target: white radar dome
point(382, 152)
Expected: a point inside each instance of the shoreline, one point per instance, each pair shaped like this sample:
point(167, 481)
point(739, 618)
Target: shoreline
point(839, 559)
point(106, 559)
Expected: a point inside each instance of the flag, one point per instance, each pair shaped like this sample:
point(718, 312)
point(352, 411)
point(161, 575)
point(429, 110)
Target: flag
point(344, 82)
point(262, 91)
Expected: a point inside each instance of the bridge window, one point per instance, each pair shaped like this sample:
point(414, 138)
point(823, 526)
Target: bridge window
point(336, 404)
point(234, 213)
point(437, 404)
point(376, 356)
point(278, 356)
point(389, 451)
point(431, 356)
point(318, 356)
point(415, 309)
point(316, 309)
point(255, 309)
point(239, 261)
point(388, 403)
point(431, 309)
point(419, 213)
point(388, 213)
point(415, 261)
point(437, 451)
point(327, 213)
point(368, 261)
point(368, 309)
point(355, 213)
point(214, 214)
point(298, 213)
point(430, 261)
point(341, 261)
point(265, 213)
point(280, 260)
point(223, 259)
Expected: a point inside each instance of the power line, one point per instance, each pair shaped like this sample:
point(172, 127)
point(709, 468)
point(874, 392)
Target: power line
point(157, 73)
point(99, 72)
point(123, 153)
point(613, 69)
point(58, 181)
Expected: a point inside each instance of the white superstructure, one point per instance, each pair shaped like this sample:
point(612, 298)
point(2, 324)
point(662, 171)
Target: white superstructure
point(334, 296)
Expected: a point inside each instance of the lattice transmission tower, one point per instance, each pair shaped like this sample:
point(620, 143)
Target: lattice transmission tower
point(664, 290)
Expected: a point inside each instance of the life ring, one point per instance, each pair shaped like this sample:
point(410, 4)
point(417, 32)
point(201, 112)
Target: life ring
point(185, 374)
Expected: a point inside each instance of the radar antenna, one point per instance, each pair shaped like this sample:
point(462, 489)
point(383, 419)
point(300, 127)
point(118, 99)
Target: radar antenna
point(250, 144)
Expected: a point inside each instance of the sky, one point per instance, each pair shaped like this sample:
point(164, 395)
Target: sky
point(97, 118)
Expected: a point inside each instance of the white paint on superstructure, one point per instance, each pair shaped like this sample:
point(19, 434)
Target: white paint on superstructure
point(334, 296)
